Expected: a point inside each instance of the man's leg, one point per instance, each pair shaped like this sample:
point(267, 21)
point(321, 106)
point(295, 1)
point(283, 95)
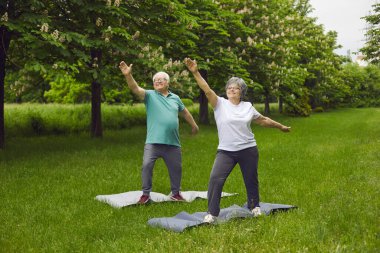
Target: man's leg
point(173, 159)
point(151, 154)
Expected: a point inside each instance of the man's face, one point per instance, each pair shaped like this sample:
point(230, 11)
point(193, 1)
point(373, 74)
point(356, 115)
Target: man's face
point(160, 84)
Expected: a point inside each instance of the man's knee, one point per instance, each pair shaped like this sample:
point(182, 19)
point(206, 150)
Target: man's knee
point(216, 180)
point(148, 164)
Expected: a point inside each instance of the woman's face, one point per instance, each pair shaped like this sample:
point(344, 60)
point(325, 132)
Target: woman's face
point(233, 91)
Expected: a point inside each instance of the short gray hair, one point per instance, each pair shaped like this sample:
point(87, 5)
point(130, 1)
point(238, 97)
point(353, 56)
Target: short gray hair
point(166, 76)
point(240, 83)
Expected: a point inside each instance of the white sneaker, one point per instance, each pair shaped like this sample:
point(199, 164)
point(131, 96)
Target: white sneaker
point(256, 211)
point(209, 219)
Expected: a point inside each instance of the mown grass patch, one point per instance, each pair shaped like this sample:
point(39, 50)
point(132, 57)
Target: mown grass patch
point(328, 166)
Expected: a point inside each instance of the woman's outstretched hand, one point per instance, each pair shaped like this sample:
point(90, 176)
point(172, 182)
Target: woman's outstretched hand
point(191, 65)
point(285, 129)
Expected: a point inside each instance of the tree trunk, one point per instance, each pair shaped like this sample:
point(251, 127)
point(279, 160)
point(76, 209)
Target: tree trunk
point(203, 102)
point(280, 104)
point(96, 116)
point(96, 91)
point(267, 108)
point(5, 38)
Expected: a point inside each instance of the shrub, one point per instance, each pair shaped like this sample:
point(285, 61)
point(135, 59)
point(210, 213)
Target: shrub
point(40, 119)
point(318, 109)
point(43, 119)
point(187, 102)
point(65, 89)
point(298, 105)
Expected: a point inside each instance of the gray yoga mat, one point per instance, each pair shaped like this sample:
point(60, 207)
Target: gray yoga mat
point(124, 199)
point(184, 220)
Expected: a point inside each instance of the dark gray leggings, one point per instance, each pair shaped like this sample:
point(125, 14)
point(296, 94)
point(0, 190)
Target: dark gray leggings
point(224, 162)
point(173, 160)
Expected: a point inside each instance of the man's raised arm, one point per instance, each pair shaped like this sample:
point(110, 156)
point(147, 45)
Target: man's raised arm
point(132, 84)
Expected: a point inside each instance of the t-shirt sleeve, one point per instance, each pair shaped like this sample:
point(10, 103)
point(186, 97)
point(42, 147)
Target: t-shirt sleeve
point(256, 114)
point(181, 106)
point(219, 101)
point(147, 95)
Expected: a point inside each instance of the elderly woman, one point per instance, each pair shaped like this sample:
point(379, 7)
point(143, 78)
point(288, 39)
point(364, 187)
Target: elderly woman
point(237, 144)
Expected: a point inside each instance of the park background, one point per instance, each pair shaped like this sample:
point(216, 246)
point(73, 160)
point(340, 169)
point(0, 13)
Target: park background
point(60, 85)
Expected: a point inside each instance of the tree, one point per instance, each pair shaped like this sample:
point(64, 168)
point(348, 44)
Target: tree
point(101, 33)
point(19, 28)
point(5, 37)
point(217, 46)
point(316, 55)
point(270, 47)
point(363, 85)
point(371, 49)
point(67, 49)
point(87, 39)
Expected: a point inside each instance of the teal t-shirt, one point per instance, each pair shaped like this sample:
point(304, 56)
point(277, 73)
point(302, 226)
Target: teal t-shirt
point(162, 118)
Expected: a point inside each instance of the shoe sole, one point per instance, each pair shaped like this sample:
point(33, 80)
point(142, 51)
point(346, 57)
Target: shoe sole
point(179, 200)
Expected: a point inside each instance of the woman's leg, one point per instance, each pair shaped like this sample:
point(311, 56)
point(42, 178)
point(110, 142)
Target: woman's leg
point(223, 165)
point(248, 160)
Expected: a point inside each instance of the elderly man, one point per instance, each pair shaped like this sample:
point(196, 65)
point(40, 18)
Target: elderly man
point(162, 141)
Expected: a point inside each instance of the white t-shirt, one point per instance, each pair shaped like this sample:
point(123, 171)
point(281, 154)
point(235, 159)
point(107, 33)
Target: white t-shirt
point(234, 124)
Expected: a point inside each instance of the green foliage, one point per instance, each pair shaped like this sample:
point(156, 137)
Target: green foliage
point(24, 86)
point(65, 89)
point(117, 95)
point(298, 104)
point(318, 109)
point(322, 64)
point(372, 45)
point(59, 48)
point(373, 85)
point(363, 83)
point(216, 50)
point(153, 60)
point(187, 102)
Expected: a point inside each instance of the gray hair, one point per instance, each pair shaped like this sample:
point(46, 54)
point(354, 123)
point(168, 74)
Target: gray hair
point(166, 76)
point(240, 83)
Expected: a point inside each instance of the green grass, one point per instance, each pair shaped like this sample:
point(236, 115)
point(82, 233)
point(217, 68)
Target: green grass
point(328, 166)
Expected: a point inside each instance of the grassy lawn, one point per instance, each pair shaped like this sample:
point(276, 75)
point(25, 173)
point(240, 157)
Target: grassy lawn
point(328, 166)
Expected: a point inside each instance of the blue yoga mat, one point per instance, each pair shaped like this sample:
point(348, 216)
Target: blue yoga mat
point(184, 220)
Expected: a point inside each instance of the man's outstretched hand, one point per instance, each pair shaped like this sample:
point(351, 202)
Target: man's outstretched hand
point(125, 69)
